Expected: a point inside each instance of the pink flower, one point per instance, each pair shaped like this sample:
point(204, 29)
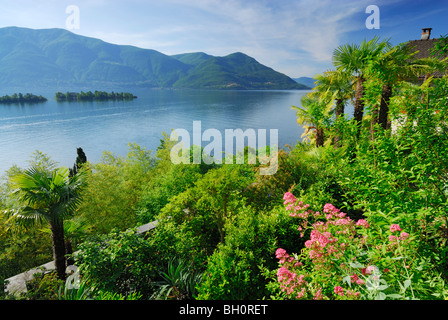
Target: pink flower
point(395, 227)
point(404, 235)
point(284, 274)
point(301, 293)
point(289, 198)
point(318, 295)
point(338, 290)
point(329, 208)
point(281, 255)
point(308, 243)
point(354, 277)
point(362, 222)
point(301, 280)
point(369, 270)
point(393, 238)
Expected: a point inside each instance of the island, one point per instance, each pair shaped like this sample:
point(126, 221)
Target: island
point(22, 98)
point(93, 96)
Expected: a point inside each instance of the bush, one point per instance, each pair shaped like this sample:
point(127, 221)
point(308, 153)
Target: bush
point(43, 287)
point(114, 187)
point(234, 271)
point(120, 262)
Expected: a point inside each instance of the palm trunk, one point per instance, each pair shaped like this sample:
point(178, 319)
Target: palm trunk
point(319, 137)
point(339, 110)
point(69, 250)
point(359, 104)
point(384, 106)
point(57, 236)
point(374, 121)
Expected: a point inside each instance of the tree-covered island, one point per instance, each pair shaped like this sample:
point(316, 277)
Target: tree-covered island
point(22, 98)
point(93, 96)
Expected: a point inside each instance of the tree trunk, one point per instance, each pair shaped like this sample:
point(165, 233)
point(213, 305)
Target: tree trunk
point(69, 250)
point(374, 121)
point(359, 104)
point(384, 106)
point(319, 137)
point(339, 110)
point(57, 236)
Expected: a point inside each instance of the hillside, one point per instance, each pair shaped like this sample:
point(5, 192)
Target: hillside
point(57, 56)
point(236, 70)
point(306, 81)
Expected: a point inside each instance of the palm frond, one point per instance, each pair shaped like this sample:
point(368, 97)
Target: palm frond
point(50, 195)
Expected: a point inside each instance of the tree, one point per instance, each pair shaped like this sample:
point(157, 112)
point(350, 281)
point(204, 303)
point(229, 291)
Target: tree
point(315, 114)
point(440, 49)
point(339, 83)
point(391, 66)
point(48, 196)
point(80, 160)
point(354, 59)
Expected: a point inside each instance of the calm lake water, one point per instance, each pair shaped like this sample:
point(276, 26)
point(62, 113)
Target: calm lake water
point(57, 129)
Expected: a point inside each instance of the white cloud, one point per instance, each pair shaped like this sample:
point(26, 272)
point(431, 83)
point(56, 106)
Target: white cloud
point(277, 30)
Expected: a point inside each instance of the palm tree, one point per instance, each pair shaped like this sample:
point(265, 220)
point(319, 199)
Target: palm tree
point(315, 114)
point(354, 59)
point(48, 196)
point(339, 83)
point(391, 66)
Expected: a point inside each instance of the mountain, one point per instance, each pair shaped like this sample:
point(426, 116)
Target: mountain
point(307, 81)
point(59, 57)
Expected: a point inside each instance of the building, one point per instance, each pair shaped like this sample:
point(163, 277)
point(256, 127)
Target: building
point(423, 48)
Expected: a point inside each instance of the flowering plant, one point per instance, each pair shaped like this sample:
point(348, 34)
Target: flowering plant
point(343, 258)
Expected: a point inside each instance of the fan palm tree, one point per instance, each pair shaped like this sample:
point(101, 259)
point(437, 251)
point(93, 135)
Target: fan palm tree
point(354, 59)
point(48, 196)
point(391, 66)
point(340, 84)
point(315, 114)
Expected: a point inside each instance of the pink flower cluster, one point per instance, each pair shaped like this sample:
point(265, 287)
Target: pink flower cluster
point(355, 278)
point(332, 235)
point(297, 208)
point(323, 245)
point(396, 228)
point(338, 290)
point(290, 282)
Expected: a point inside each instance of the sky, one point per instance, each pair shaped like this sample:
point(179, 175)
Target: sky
point(295, 37)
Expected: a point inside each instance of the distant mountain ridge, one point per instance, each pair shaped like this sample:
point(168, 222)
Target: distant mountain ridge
point(57, 56)
point(306, 81)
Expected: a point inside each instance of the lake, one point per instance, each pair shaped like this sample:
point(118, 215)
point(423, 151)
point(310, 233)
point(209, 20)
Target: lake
point(57, 129)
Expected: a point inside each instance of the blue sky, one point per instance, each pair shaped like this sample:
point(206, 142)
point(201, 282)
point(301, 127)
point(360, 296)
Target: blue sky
point(296, 37)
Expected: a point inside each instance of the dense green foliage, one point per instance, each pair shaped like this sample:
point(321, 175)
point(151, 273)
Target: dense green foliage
point(57, 56)
point(93, 96)
point(22, 98)
point(362, 216)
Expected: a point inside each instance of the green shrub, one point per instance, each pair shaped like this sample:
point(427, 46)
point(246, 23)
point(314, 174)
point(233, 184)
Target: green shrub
point(234, 271)
point(120, 262)
point(43, 287)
